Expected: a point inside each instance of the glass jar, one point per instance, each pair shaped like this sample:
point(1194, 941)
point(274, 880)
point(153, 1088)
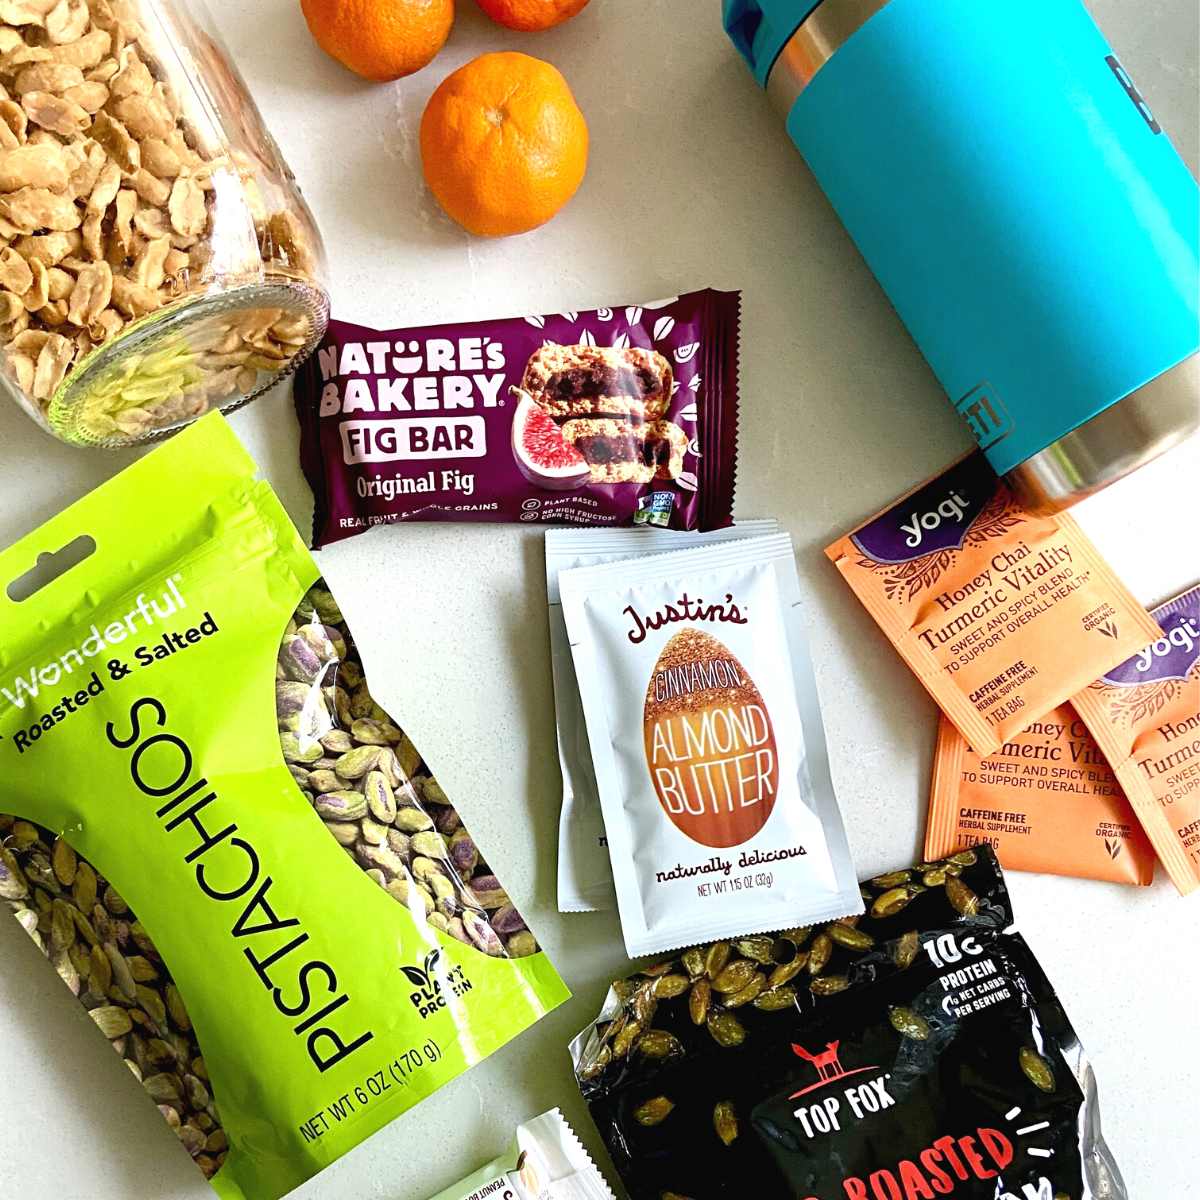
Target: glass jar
point(156, 257)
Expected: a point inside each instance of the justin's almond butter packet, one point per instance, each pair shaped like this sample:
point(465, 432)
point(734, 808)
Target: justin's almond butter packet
point(1046, 801)
point(1002, 614)
point(1145, 715)
point(706, 738)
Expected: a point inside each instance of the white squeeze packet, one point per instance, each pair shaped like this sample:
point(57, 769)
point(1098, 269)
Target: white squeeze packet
point(585, 881)
point(544, 1161)
point(707, 743)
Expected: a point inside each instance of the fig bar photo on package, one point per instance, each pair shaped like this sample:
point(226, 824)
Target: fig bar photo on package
point(614, 416)
point(230, 852)
point(707, 743)
point(1145, 714)
point(1002, 614)
point(585, 882)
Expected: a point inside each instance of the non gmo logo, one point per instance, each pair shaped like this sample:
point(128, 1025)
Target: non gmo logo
point(432, 986)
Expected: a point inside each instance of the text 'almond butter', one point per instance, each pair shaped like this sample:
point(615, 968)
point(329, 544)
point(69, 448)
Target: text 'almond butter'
point(707, 743)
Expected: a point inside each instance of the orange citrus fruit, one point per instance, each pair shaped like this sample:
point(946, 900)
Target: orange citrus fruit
point(532, 14)
point(380, 39)
point(504, 144)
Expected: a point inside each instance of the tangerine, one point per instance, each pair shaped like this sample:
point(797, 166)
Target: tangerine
point(530, 15)
point(380, 39)
point(503, 143)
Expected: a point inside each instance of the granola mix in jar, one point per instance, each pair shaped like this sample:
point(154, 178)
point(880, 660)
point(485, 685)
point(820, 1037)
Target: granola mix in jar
point(156, 257)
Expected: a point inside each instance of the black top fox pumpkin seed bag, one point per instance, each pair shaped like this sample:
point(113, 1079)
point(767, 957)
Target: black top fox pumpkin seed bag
point(916, 1053)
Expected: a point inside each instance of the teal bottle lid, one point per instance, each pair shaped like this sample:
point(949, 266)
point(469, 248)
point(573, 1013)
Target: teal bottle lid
point(761, 28)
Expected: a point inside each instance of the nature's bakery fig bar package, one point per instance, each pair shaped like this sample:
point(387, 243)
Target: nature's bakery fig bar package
point(1001, 614)
point(1145, 714)
point(1046, 801)
point(611, 416)
point(707, 743)
point(228, 850)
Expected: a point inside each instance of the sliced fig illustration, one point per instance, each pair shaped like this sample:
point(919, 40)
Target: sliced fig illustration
point(542, 454)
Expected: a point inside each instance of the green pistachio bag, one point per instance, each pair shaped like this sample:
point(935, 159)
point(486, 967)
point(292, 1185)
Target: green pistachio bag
point(230, 853)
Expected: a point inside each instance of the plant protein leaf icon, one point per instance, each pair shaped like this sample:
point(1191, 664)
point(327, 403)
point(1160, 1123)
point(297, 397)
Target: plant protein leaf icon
point(415, 976)
point(424, 978)
point(710, 742)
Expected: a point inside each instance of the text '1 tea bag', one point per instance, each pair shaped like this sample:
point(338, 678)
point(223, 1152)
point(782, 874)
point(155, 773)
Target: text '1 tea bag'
point(707, 743)
point(616, 416)
point(1002, 614)
point(544, 1161)
point(1145, 714)
point(232, 855)
point(917, 1053)
point(1046, 801)
point(585, 881)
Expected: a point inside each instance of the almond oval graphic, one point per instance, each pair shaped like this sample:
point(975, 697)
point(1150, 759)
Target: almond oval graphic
point(710, 742)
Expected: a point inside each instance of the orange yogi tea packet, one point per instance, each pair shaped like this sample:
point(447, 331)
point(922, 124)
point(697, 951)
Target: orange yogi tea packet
point(1002, 614)
point(1145, 715)
point(1045, 801)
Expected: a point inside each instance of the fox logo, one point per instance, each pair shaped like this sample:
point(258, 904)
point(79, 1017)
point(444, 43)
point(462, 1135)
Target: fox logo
point(827, 1063)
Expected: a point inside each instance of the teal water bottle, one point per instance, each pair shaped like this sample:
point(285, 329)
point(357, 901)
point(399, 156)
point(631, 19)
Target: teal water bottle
point(1023, 209)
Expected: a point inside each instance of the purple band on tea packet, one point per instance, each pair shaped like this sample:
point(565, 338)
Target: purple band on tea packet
point(615, 417)
point(934, 518)
point(1175, 654)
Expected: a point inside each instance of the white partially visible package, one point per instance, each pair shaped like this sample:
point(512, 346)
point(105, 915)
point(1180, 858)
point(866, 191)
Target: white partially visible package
point(584, 876)
point(544, 1161)
point(707, 743)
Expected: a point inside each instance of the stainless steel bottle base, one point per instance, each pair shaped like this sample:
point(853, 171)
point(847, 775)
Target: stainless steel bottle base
point(1115, 443)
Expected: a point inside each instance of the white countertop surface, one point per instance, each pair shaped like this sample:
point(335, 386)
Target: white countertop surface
point(692, 182)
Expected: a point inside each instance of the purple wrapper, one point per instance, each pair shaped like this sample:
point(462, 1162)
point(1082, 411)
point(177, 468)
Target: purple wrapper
point(1174, 655)
point(614, 417)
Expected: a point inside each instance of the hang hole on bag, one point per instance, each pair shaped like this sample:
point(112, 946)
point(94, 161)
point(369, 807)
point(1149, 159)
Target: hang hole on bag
point(51, 566)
